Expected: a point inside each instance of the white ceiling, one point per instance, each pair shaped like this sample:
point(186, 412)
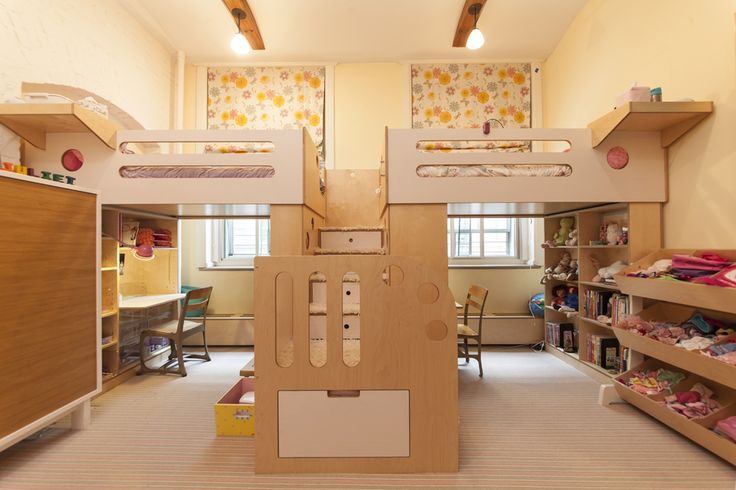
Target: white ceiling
point(359, 30)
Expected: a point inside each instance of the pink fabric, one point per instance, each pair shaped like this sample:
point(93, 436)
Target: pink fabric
point(727, 427)
point(708, 261)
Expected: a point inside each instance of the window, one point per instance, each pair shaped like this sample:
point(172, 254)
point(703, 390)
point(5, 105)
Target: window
point(474, 241)
point(235, 242)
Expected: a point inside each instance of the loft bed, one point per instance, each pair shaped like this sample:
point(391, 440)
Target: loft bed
point(223, 173)
point(619, 158)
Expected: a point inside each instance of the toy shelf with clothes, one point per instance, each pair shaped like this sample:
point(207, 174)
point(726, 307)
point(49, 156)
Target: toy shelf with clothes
point(583, 250)
point(697, 339)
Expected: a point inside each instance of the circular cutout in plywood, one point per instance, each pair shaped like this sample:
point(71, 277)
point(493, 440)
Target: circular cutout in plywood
point(393, 275)
point(428, 293)
point(436, 330)
point(72, 160)
point(617, 157)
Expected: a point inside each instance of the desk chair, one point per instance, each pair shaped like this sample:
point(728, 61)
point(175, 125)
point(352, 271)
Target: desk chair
point(477, 299)
point(176, 331)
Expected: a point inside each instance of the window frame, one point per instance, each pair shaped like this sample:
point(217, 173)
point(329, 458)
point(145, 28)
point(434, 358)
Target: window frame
point(217, 244)
point(522, 255)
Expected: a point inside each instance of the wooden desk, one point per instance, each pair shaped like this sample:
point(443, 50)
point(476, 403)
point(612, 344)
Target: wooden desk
point(138, 313)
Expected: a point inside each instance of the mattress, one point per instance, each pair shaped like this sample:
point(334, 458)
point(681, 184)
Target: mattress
point(469, 146)
point(495, 170)
point(318, 352)
point(196, 171)
point(248, 147)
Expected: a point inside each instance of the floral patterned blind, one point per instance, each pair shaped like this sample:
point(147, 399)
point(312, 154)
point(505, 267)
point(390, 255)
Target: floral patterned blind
point(465, 95)
point(267, 97)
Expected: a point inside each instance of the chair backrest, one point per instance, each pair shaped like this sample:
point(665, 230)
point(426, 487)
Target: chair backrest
point(476, 299)
point(196, 299)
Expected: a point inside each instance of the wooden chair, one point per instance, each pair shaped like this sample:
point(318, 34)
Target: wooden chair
point(477, 299)
point(176, 331)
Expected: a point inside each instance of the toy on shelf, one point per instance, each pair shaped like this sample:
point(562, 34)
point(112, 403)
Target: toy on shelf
point(572, 238)
point(566, 226)
point(565, 270)
point(605, 274)
point(565, 298)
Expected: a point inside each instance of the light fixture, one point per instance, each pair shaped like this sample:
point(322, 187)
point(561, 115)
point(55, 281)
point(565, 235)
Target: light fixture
point(239, 43)
point(475, 39)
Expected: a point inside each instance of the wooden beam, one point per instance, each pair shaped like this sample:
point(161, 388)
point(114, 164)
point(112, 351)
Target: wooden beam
point(465, 23)
point(248, 26)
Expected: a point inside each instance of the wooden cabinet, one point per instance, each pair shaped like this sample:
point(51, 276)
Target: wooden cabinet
point(642, 224)
point(49, 340)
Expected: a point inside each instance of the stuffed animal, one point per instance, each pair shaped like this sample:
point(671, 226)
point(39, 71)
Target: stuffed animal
point(566, 225)
point(608, 272)
point(572, 238)
point(558, 296)
point(560, 271)
point(614, 235)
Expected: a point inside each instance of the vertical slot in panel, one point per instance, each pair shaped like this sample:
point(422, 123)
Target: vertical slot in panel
point(318, 319)
point(351, 319)
point(284, 319)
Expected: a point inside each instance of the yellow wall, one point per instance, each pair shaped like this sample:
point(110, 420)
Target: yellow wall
point(368, 97)
point(687, 48)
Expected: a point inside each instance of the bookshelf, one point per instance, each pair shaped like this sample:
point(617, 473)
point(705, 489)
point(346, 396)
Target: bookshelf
point(123, 276)
point(643, 225)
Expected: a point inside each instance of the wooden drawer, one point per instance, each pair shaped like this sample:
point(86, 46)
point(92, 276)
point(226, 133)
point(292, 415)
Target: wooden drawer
point(366, 423)
point(351, 240)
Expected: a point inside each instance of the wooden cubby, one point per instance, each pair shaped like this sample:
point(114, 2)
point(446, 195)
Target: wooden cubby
point(643, 221)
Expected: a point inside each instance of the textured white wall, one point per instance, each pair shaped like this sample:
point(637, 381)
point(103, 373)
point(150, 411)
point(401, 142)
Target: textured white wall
point(92, 44)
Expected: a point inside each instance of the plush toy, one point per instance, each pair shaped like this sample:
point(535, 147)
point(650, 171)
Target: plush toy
point(614, 235)
point(572, 238)
point(562, 267)
point(566, 225)
point(605, 273)
point(558, 296)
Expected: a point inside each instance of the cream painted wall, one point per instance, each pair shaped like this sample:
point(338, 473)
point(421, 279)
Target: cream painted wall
point(689, 49)
point(91, 44)
point(368, 97)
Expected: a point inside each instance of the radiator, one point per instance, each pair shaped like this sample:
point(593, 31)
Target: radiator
point(225, 330)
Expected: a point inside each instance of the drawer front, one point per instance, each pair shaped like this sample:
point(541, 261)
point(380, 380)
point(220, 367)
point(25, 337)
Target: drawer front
point(350, 240)
point(314, 424)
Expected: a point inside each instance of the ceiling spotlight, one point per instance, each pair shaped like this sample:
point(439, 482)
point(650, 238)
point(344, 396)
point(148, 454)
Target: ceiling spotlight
point(239, 43)
point(475, 39)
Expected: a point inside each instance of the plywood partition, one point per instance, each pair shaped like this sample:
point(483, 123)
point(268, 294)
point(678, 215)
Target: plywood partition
point(149, 277)
point(420, 231)
point(352, 199)
point(407, 343)
point(49, 340)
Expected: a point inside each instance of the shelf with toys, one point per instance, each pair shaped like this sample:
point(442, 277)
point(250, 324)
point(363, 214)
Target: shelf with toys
point(583, 252)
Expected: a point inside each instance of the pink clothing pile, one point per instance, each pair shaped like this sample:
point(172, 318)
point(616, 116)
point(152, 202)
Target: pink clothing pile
point(697, 402)
point(708, 268)
point(727, 428)
point(653, 382)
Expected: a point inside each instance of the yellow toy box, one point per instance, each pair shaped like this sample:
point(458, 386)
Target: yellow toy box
point(233, 418)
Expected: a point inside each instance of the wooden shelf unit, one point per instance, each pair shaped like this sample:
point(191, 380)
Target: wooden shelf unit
point(671, 119)
point(32, 121)
point(643, 221)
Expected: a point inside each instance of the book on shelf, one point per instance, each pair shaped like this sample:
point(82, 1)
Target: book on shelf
point(604, 351)
point(607, 303)
point(562, 335)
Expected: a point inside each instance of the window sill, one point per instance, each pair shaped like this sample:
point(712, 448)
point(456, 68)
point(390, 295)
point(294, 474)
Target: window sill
point(494, 266)
point(226, 268)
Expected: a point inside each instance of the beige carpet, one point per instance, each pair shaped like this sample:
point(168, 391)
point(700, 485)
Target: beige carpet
point(532, 422)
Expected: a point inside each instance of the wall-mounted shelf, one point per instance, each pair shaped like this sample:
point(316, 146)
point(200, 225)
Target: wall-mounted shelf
point(671, 119)
point(33, 121)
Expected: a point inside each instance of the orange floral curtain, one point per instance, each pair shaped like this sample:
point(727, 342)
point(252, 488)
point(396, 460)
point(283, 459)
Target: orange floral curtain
point(267, 97)
point(459, 95)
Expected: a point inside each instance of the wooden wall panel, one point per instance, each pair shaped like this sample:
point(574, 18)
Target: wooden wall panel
point(420, 231)
point(48, 335)
point(352, 199)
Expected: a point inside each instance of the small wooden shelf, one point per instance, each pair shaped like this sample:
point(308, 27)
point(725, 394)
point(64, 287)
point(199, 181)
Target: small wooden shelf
point(107, 313)
point(33, 121)
point(602, 285)
point(595, 322)
point(109, 344)
point(671, 119)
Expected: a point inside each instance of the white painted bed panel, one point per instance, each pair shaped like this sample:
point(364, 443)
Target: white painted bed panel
point(312, 424)
point(644, 179)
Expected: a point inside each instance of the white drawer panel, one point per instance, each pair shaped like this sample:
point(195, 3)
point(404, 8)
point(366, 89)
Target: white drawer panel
point(350, 240)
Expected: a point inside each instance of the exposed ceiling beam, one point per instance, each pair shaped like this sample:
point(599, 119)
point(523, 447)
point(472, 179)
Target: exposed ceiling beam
point(465, 23)
point(248, 26)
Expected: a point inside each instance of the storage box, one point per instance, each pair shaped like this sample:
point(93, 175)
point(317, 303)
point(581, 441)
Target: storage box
point(634, 94)
point(233, 418)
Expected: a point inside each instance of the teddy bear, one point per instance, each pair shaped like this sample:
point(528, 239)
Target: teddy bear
point(614, 235)
point(566, 225)
point(562, 269)
point(572, 238)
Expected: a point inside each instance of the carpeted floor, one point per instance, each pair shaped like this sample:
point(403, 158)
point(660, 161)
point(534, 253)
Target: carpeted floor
point(532, 422)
